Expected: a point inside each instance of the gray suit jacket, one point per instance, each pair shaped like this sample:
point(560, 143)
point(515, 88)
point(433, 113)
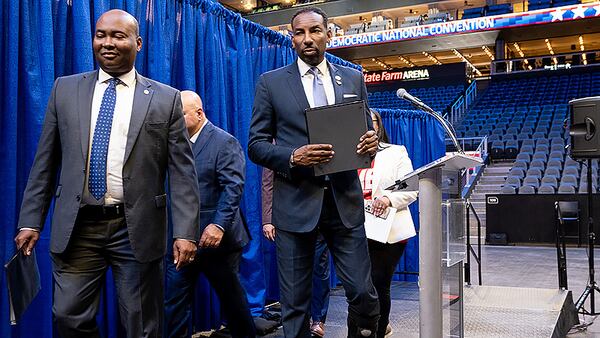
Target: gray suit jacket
point(157, 143)
point(278, 114)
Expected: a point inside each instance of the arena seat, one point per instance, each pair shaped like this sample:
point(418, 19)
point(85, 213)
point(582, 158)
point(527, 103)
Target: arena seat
point(529, 114)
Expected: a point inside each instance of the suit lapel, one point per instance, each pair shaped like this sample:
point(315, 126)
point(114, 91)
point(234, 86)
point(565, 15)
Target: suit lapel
point(141, 102)
point(294, 80)
point(85, 95)
point(203, 138)
point(337, 81)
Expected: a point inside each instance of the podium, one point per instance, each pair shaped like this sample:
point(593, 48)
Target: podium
point(440, 242)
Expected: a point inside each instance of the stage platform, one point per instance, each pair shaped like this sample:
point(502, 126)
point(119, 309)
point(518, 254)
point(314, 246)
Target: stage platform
point(519, 298)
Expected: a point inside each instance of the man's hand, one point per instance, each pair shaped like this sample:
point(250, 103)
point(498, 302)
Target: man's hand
point(211, 236)
point(380, 205)
point(269, 231)
point(184, 252)
point(27, 240)
point(312, 154)
point(368, 143)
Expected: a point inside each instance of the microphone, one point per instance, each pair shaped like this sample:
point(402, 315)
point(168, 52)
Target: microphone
point(405, 95)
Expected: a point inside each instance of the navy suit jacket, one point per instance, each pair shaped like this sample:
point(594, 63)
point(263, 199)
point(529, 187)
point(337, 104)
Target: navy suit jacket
point(279, 114)
point(220, 165)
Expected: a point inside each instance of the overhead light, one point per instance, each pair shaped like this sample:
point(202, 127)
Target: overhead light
point(405, 60)
point(462, 57)
point(432, 58)
point(488, 52)
point(549, 45)
point(518, 48)
point(247, 4)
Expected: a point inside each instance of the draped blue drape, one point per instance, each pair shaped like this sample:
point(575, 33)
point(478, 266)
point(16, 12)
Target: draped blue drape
point(190, 44)
point(423, 138)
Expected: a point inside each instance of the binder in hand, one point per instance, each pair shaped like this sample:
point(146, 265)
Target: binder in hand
point(23, 281)
point(340, 125)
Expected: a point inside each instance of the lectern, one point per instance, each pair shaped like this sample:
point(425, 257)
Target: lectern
point(437, 219)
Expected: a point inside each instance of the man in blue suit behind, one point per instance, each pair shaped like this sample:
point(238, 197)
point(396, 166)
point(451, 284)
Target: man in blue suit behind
point(304, 204)
point(220, 165)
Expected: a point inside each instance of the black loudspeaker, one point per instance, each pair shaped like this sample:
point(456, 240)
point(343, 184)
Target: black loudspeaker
point(585, 127)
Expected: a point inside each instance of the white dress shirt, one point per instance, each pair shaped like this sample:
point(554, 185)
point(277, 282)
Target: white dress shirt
point(118, 135)
point(307, 81)
point(196, 134)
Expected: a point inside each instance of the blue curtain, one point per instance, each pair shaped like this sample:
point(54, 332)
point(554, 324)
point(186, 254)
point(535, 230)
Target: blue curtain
point(423, 138)
point(196, 45)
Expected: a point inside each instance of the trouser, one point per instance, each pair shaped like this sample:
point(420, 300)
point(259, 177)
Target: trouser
point(384, 259)
point(295, 258)
point(79, 273)
point(221, 269)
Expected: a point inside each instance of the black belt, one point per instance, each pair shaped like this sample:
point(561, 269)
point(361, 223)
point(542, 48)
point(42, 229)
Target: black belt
point(103, 211)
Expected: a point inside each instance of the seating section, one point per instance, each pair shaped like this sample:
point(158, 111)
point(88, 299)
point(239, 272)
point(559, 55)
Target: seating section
point(438, 98)
point(526, 120)
point(539, 4)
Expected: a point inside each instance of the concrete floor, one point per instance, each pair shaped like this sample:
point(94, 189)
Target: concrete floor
point(510, 266)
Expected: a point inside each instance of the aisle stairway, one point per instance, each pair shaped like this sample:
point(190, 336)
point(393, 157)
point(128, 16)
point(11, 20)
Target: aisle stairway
point(490, 182)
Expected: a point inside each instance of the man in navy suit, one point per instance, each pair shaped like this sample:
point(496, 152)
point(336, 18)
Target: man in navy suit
point(220, 165)
point(303, 204)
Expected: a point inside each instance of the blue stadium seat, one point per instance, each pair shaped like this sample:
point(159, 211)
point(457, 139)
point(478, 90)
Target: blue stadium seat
point(550, 180)
point(506, 190)
point(523, 164)
point(552, 171)
point(526, 189)
point(566, 189)
point(534, 172)
point(546, 189)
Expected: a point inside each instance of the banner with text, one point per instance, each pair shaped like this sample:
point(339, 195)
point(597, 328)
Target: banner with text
point(495, 22)
point(430, 76)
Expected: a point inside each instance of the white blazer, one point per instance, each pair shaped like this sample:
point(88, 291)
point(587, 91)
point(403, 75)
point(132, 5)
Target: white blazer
point(391, 163)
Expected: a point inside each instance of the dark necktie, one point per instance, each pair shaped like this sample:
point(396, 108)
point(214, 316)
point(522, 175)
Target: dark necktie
point(97, 176)
point(319, 96)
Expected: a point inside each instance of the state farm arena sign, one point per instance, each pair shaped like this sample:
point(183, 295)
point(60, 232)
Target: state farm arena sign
point(400, 75)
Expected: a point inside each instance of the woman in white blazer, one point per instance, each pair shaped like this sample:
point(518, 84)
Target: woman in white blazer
point(390, 163)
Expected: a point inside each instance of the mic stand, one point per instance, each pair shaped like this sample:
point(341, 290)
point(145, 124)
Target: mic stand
point(592, 286)
point(447, 126)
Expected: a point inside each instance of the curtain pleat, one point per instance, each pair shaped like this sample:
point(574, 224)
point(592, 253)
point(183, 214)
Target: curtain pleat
point(189, 44)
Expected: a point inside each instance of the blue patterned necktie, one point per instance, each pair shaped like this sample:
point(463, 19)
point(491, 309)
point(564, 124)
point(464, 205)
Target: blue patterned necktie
point(319, 96)
point(97, 177)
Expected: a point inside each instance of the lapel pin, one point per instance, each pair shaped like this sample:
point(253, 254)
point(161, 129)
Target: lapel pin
point(146, 91)
point(338, 78)
point(338, 82)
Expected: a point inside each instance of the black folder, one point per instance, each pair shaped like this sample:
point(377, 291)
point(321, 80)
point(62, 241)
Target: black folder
point(340, 125)
point(23, 280)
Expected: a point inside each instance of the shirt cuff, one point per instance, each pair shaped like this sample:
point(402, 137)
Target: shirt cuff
point(220, 227)
point(189, 240)
point(31, 229)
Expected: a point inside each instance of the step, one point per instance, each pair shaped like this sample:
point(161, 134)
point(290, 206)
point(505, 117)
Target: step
point(491, 180)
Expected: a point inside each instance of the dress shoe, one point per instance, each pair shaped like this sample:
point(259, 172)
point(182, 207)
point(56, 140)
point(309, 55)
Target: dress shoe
point(388, 331)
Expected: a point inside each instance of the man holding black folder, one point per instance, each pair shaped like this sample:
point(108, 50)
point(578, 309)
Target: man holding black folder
point(304, 204)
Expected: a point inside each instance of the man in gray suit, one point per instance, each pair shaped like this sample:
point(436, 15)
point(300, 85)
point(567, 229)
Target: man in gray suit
point(109, 138)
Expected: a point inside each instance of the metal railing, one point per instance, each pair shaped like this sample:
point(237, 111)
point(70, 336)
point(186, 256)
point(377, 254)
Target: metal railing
point(470, 94)
point(462, 104)
point(546, 62)
point(470, 250)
